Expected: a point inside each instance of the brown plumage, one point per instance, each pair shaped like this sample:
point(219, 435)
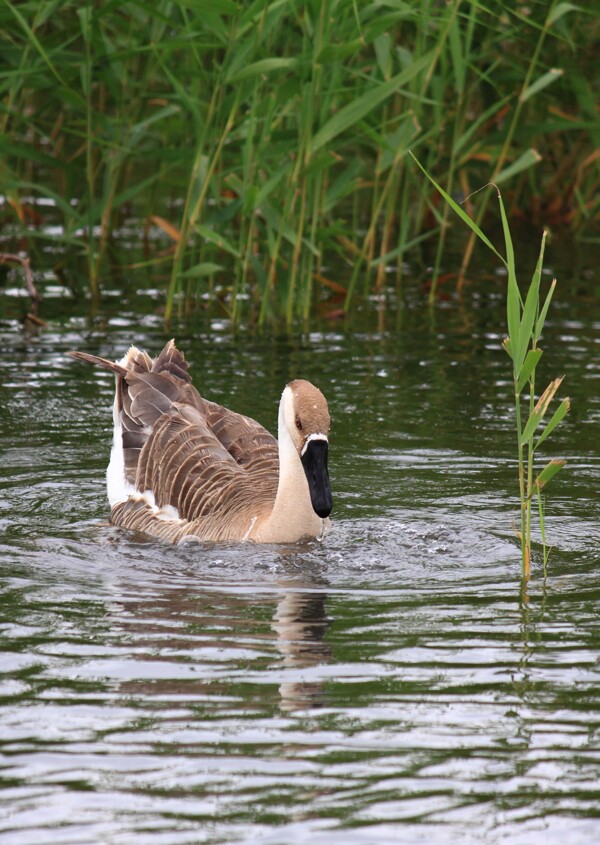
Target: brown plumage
point(185, 467)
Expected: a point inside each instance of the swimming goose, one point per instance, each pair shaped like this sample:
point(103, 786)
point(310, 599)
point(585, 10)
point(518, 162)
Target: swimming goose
point(182, 467)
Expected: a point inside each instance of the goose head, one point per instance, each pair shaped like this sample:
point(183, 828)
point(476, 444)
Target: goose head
point(307, 421)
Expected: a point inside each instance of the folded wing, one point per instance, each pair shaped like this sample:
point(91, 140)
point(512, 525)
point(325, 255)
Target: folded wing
point(182, 452)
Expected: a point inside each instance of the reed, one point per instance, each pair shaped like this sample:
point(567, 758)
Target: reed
point(266, 142)
point(526, 320)
point(526, 317)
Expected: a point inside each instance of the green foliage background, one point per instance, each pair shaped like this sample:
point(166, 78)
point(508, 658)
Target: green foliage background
point(268, 140)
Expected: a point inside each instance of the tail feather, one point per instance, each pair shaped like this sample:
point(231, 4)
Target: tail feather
point(136, 361)
point(145, 390)
point(113, 366)
point(172, 361)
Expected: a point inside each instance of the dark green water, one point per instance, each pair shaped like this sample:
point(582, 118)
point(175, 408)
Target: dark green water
point(390, 685)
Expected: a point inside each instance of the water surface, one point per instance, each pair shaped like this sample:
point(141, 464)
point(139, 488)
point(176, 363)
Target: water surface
point(392, 684)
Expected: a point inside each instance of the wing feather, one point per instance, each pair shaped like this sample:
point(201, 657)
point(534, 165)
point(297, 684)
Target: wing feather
point(208, 462)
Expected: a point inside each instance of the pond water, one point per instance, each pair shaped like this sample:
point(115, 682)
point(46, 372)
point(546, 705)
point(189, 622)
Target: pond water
point(392, 684)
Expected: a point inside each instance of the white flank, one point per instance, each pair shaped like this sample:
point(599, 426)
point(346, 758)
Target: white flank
point(117, 486)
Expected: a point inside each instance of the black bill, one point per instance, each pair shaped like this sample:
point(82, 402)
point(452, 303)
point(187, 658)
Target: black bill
point(314, 461)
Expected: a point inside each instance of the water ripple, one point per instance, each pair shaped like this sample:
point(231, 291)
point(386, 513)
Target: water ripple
point(393, 684)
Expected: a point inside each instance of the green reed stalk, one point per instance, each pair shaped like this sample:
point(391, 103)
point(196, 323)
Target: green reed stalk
point(202, 175)
point(525, 322)
point(85, 18)
point(460, 41)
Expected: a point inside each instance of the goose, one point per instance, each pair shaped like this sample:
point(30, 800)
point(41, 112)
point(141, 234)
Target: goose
point(184, 468)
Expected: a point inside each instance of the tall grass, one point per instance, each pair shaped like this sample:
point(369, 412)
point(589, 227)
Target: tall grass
point(266, 141)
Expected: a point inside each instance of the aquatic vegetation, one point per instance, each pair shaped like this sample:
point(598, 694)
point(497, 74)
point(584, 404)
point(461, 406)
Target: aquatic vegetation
point(525, 322)
point(261, 147)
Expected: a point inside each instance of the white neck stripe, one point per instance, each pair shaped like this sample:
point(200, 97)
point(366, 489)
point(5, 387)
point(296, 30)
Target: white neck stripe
point(311, 437)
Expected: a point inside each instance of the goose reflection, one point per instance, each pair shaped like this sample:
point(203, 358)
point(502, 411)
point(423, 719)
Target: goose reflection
point(206, 636)
point(300, 623)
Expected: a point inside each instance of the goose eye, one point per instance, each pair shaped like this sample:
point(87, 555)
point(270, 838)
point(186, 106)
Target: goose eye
point(298, 424)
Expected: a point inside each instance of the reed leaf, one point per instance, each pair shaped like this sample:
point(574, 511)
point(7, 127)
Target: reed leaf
point(33, 39)
point(539, 411)
point(199, 271)
point(547, 474)
point(513, 297)
point(213, 237)
point(526, 160)
point(559, 414)
point(530, 308)
point(458, 210)
point(360, 107)
point(561, 9)
point(261, 68)
point(529, 365)
point(546, 79)
point(539, 326)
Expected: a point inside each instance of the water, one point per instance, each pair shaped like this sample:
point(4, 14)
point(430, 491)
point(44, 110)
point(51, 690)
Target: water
point(393, 684)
